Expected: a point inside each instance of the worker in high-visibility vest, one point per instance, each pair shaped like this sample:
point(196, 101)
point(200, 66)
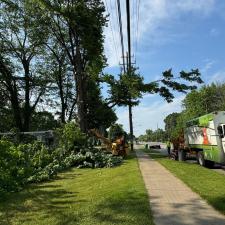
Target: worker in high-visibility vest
point(168, 146)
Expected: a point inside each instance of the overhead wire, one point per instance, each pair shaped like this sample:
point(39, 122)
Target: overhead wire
point(111, 28)
point(134, 18)
point(128, 31)
point(121, 33)
point(138, 23)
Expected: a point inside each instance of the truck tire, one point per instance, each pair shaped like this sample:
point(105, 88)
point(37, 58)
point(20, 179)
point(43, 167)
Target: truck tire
point(209, 164)
point(200, 158)
point(181, 155)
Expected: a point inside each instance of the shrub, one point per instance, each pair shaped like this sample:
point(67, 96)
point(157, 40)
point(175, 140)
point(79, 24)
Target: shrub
point(24, 163)
point(70, 137)
point(20, 162)
point(12, 170)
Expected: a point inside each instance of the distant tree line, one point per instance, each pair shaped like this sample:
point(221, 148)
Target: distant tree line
point(207, 99)
point(158, 135)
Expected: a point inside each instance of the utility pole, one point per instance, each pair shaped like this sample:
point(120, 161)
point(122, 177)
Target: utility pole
point(128, 59)
point(130, 116)
point(131, 128)
point(129, 70)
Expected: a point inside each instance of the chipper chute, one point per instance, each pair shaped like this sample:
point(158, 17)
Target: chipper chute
point(117, 147)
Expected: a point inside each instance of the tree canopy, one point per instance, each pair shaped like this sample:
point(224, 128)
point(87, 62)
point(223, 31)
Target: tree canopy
point(52, 61)
point(130, 87)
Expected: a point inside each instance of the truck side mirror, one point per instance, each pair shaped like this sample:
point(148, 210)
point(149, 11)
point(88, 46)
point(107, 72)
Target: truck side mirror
point(220, 131)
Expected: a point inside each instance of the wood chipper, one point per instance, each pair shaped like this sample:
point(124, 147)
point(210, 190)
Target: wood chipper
point(118, 147)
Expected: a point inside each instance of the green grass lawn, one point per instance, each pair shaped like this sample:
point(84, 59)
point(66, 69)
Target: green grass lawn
point(84, 197)
point(209, 184)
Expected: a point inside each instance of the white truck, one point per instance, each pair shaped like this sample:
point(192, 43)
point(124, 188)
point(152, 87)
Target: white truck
point(204, 137)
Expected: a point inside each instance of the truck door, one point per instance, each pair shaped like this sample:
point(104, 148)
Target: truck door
point(223, 137)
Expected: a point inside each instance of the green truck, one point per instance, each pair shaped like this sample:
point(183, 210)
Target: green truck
point(204, 138)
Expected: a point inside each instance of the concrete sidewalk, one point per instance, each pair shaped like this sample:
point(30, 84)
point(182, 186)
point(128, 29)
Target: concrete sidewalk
point(172, 202)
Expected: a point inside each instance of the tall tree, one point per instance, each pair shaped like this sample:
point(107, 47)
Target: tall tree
point(170, 123)
point(78, 27)
point(205, 100)
point(22, 71)
point(63, 91)
point(99, 114)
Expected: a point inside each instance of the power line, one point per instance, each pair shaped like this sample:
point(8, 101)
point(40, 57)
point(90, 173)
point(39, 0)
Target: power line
point(138, 22)
point(117, 20)
point(128, 30)
point(113, 35)
point(121, 32)
point(134, 13)
point(134, 28)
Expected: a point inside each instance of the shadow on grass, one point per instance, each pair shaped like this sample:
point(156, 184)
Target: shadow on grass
point(128, 208)
point(131, 155)
point(218, 203)
point(53, 203)
point(38, 202)
point(157, 156)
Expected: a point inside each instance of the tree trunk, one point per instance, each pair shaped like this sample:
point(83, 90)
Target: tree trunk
point(82, 111)
point(27, 108)
point(61, 94)
point(81, 92)
point(72, 108)
point(63, 111)
point(16, 110)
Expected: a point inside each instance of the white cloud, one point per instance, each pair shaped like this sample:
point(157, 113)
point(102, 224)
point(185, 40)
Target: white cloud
point(145, 117)
point(205, 6)
point(147, 96)
point(207, 66)
point(154, 16)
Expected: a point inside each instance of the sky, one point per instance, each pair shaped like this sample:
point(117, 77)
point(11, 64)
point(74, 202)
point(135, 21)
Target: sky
point(177, 34)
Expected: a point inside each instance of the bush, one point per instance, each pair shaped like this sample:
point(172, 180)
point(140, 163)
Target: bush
point(12, 170)
point(26, 163)
point(20, 162)
point(70, 137)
